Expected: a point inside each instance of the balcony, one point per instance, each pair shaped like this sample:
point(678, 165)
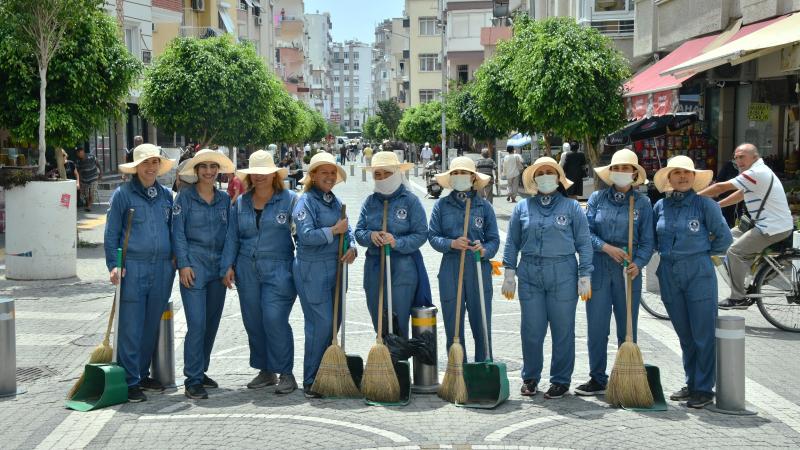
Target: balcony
point(614, 28)
point(200, 32)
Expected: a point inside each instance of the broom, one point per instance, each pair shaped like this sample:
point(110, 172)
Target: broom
point(380, 382)
point(453, 388)
point(627, 385)
point(333, 377)
point(103, 353)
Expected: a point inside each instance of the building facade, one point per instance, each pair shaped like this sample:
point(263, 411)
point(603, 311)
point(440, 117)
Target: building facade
point(319, 62)
point(390, 62)
point(352, 84)
point(291, 42)
point(425, 44)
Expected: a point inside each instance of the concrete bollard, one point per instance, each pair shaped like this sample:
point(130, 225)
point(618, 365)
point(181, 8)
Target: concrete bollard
point(352, 169)
point(8, 350)
point(364, 174)
point(416, 170)
point(730, 366)
point(426, 376)
point(163, 366)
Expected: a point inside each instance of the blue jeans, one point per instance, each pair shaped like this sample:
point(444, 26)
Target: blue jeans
point(202, 305)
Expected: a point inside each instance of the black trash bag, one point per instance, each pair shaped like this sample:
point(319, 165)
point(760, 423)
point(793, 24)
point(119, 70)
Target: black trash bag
point(395, 324)
point(398, 346)
point(424, 348)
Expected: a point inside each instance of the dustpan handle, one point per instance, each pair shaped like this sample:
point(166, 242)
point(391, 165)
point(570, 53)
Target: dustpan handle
point(479, 269)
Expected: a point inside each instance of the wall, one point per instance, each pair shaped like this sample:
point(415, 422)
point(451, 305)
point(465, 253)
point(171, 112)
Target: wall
point(421, 44)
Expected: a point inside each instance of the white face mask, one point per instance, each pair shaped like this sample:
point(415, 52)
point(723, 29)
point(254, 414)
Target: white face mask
point(390, 184)
point(461, 182)
point(621, 179)
point(546, 184)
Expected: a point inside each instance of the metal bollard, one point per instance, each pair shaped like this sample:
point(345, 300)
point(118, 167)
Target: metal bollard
point(730, 366)
point(426, 377)
point(8, 350)
point(352, 169)
point(364, 174)
point(163, 366)
point(416, 170)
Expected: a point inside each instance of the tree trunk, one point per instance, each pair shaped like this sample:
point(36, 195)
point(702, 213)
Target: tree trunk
point(547, 144)
point(42, 118)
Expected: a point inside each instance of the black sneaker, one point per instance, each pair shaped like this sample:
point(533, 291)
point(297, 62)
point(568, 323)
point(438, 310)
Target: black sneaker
point(682, 394)
point(135, 394)
point(732, 303)
point(529, 388)
point(556, 391)
point(591, 387)
point(151, 384)
point(209, 383)
point(262, 380)
point(286, 384)
point(700, 400)
point(196, 391)
point(308, 393)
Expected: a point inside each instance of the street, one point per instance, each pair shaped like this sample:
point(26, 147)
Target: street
point(58, 323)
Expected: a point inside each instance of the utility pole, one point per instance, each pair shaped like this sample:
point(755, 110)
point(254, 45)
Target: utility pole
point(442, 25)
point(341, 82)
point(350, 93)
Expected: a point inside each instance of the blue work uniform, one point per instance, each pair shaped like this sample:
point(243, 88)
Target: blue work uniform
point(198, 236)
point(607, 213)
point(548, 230)
point(446, 225)
point(261, 255)
point(149, 270)
point(406, 221)
point(689, 229)
point(315, 272)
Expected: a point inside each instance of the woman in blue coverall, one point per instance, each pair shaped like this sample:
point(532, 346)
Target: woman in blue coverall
point(407, 231)
point(199, 224)
point(689, 229)
point(149, 271)
point(548, 229)
point(446, 235)
point(607, 213)
point(258, 255)
point(318, 224)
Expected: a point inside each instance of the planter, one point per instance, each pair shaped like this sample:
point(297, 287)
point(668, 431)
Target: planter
point(41, 224)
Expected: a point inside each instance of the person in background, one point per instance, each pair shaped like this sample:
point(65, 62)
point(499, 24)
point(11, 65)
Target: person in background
point(368, 156)
point(512, 168)
point(426, 154)
point(71, 169)
point(90, 172)
point(487, 166)
point(728, 172)
point(573, 161)
point(235, 187)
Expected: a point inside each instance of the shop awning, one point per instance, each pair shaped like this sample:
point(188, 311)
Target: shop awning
point(227, 21)
point(767, 37)
point(651, 127)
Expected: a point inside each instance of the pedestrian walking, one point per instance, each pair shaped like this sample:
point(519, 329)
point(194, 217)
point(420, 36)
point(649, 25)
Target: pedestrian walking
point(199, 226)
point(407, 231)
point(689, 229)
point(548, 229)
point(149, 271)
point(368, 156)
point(258, 255)
point(318, 223)
point(512, 168)
point(446, 235)
point(90, 173)
point(574, 163)
point(487, 166)
point(608, 213)
point(426, 154)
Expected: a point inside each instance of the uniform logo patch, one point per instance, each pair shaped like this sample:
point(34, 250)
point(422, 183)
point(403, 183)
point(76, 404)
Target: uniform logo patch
point(176, 210)
point(462, 196)
point(223, 214)
point(328, 197)
point(301, 216)
point(694, 225)
point(478, 221)
point(546, 199)
point(152, 192)
point(281, 217)
point(401, 214)
point(619, 196)
point(561, 220)
point(635, 215)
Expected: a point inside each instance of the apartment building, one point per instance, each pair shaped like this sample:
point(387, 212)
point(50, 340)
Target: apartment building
point(291, 42)
point(319, 62)
point(352, 83)
point(465, 52)
point(425, 44)
point(390, 79)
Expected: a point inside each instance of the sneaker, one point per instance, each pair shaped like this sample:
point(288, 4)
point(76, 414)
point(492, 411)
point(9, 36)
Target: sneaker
point(151, 384)
point(209, 383)
point(286, 384)
point(529, 388)
point(135, 394)
point(308, 393)
point(196, 391)
point(700, 400)
point(556, 391)
point(682, 394)
point(591, 387)
point(732, 303)
point(263, 379)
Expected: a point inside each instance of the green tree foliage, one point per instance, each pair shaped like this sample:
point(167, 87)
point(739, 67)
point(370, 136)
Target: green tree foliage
point(421, 123)
point(375, 130)
point(87, 71)
point(390, 114)
point(334, 129)
point(464, 114)
point(493, 91)
point(319, 128)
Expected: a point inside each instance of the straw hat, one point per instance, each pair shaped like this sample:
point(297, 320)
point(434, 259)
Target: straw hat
point(261, 163)
point(620, 157)
point(208, 156)
point(388, 161)
point(463, 163)
point(530, 183)
point(701, 177)
point(322, 159)
point(143, 152)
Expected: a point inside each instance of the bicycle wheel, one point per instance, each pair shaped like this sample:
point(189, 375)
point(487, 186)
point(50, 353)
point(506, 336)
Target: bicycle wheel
point(777, 296)
point(656, 308)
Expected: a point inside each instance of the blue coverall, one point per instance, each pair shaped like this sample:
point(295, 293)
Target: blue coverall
point(262, 256)
point(198, 236)
point(446, 225)
point(406, 221)
point(315, 272)
point(689, 229)
point(548, 230)
point(607, 213)
point(149, 270)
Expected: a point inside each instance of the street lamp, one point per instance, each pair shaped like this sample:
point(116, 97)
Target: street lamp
point(442, 23)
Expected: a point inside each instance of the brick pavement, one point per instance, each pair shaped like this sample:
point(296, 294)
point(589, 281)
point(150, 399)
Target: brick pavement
point(59, 322)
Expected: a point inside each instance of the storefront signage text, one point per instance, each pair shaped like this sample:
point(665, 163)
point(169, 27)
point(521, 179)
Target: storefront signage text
point(758, 112)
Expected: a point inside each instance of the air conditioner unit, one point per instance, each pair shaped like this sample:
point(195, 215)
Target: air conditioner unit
point(199, 5)
point(259, 20)
point(147, 56)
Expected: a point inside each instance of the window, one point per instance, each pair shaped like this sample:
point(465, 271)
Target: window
point(355, 122)
point(427, 26)
point(612, 5)
point(463, 73)
point(347, 78)
point(428, 95)
point(336, 78)
point(355, 66)
point(336, 89)
point(336, 56)
point(356, 55)
point(346, 55)
point(383, 74)
point(242, 5)
point(429, 62)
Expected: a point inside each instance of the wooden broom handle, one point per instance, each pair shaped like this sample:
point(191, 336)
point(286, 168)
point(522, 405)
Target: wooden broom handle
point(124, 252)
point(338, 282)
point(459, 289)
point(629, 284)
point(379, 339)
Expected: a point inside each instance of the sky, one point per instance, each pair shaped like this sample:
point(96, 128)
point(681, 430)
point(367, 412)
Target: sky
point(356, 19)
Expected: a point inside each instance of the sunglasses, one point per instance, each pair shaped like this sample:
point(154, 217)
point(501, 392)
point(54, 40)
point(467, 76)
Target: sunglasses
point(212, 166)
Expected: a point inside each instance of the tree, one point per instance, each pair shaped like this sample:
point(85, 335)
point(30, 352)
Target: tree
point(493, 92)
point(375, 129)
point(334, 129)
point(465, 114)
point(216, 91)
point(390, 114)
point(63, 70)
point(319, 127)
point(421, 123)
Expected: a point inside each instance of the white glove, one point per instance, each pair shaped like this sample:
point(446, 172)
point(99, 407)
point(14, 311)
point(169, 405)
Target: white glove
point(509, 284)
point(585, 287)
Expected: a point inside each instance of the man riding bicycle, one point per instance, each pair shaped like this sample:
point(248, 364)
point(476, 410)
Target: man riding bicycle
point(770, 219)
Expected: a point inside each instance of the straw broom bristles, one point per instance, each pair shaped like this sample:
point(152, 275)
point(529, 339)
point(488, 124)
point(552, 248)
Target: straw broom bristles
point(627, 385)
point(101, 354)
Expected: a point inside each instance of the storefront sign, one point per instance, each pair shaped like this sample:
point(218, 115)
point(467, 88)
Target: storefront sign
point(758, 112)
point(662, 102)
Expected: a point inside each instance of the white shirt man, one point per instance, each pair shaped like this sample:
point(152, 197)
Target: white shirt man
point(426, 154)
point(512, 167)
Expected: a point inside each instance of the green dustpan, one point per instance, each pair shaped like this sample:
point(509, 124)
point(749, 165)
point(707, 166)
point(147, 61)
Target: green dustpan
point(654, 380)
point(103, 385)
point(403, 371)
